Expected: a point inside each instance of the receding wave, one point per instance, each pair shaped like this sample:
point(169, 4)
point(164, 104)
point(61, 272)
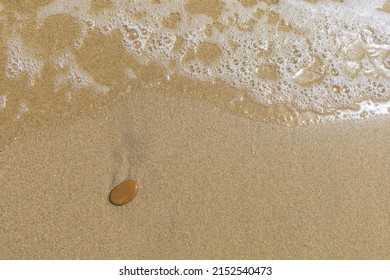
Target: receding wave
point(293, 62)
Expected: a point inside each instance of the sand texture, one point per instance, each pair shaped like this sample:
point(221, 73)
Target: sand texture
point(212, 185)
point(253, 130)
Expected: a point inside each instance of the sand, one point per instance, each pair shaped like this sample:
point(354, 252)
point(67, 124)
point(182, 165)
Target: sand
point(217, 180)
point(212, 185)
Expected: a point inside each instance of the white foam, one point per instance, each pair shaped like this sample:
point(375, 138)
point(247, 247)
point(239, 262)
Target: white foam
point(21, 59)
point(322, 57)
point(74, 75)
point(3, 102)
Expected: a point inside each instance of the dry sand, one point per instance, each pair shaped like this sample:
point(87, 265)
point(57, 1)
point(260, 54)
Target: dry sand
point(212, 185)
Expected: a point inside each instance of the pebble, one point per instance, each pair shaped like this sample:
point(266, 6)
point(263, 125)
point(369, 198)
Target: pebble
point(124, 192)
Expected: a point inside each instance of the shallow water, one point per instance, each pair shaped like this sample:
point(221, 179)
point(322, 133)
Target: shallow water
point(287, 62)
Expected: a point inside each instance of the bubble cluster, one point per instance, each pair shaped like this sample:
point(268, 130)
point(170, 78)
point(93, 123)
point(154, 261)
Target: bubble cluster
point(72, 74)
point(21, 60)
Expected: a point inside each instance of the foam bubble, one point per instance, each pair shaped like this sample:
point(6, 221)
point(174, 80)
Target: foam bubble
point(22, 59)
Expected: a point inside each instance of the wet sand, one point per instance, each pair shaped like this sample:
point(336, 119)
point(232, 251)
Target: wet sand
point(212, 185)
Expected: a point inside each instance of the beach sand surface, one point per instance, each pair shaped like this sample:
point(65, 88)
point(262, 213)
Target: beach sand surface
point(212, 186)
point(115, 93)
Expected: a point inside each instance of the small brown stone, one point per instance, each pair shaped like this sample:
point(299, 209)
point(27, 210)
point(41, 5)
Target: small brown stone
point(124, 192)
